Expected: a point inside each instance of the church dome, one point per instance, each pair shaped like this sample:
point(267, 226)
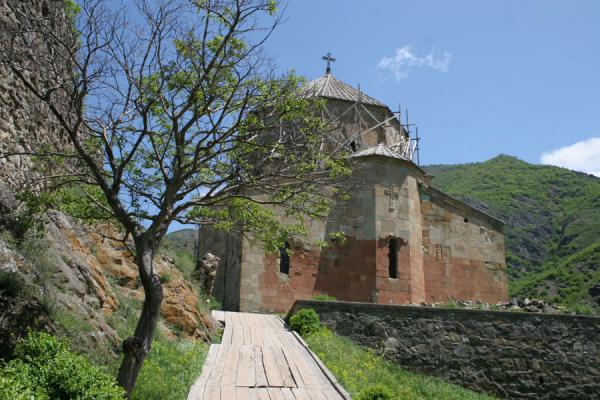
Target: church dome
point(328, 86)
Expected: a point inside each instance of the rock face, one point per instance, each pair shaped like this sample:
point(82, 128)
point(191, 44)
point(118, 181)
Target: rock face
point(81, 273)
point(205, 272)
point(25, 124)
point(94, 258)
point(514, 355)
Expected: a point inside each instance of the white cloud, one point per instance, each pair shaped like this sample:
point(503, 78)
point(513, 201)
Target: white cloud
point(400, 65)
point(582, 156)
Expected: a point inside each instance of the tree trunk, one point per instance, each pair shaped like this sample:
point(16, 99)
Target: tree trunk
point(136, 348)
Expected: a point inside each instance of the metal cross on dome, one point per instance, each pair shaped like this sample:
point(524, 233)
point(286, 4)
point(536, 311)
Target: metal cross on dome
point(329, 58)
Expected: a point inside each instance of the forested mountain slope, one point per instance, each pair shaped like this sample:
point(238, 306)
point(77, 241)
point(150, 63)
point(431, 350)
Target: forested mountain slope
point(552, 220)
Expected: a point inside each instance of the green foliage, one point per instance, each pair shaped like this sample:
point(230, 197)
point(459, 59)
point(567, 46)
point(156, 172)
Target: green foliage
point(165, 277)
point(566, 281)
point(85, 202)
point(553, 222)
point(305, 322)
point(376, 392)
point(46, 368)
point(357, 368)
point(11, 284)
point(323, 297)
point(170, 370)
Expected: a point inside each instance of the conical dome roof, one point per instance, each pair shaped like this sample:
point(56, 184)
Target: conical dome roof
point(330, 87)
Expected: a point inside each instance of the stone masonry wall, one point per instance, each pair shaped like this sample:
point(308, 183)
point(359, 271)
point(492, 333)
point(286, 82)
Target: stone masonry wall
point(512, 355)
point(463, 252)
point(25, 124)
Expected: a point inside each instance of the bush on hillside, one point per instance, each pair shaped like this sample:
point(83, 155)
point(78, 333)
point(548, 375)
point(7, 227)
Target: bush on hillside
point(45, 368)
point(11, 284)
point(305, 322)
point(376, 392)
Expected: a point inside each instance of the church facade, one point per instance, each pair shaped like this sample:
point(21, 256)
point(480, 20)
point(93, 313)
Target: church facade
point(405, 241)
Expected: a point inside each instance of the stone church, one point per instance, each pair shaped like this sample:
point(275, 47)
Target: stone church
point(406, 242)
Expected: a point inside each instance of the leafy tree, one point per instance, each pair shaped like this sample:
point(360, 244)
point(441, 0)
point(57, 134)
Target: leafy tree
point(173, 113)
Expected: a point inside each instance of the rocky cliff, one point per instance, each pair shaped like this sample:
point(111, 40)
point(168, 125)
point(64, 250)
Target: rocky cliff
point(76, 280)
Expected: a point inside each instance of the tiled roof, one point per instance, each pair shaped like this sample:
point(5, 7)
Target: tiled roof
point(379, 150)
point(330, 87)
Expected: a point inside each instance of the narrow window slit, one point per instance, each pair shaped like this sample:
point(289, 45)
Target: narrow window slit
point(284, 259)
point(393, 259)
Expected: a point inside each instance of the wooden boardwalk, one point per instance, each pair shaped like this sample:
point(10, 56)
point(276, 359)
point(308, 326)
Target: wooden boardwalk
point(258, 359)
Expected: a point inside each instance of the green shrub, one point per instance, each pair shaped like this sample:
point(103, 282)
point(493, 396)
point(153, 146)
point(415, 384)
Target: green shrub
point(376, 392)
point(165, 277)
point(11, 284)
point(305, 322)
point(15, 383)
point(45, 368)
point(323, 297)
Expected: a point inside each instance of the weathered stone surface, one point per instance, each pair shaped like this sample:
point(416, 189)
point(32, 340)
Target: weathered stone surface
point(26, 125)
point(513, 355)
point(206, 271)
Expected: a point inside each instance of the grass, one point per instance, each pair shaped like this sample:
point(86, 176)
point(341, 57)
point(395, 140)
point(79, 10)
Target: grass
point(170, 370)
point(356, 368)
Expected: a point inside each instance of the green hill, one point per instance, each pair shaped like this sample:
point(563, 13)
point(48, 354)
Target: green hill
point(552, 220)
point(180, 245)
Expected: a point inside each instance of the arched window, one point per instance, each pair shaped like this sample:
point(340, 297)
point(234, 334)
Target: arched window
point(393, 259)
point(284, 259)
point(353, 145)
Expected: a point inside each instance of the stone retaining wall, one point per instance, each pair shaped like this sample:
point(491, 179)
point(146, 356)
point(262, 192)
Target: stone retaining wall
point(512, 355)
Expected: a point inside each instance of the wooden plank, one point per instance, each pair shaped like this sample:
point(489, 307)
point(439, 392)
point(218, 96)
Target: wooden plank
point(287, 394)
point(316, 394)
point(333, 395)
point(237, 330)
point(228, 393)
point(257, 329)
point(300, 394)
point(197, 390)
point(227, 332)
point(259, 368)
point(307, 374)
point(296, 376)
point(324, 382)
point(212, 393)
point(246, 327)
point(244, 393)
point(276, 394)
point(231, 366)
point(288, 371)
point(262, 394)
point(278, 332)
point(271, 367)
point(218, 367)
point(245, 372)
point(268, 333)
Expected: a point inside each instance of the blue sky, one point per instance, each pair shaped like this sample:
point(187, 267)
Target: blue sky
point(479, 78)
